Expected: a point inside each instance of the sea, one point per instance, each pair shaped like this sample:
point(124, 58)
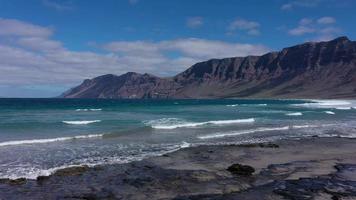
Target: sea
point(40, 136)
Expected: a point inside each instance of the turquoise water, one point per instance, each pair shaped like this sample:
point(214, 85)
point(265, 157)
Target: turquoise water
point(38, 136)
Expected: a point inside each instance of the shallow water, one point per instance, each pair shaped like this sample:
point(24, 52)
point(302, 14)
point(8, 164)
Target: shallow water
point(38, 136)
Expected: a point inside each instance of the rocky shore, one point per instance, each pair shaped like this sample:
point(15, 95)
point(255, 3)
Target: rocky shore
point(313, 168)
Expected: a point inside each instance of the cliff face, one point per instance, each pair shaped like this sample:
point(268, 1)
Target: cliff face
point(309, 70)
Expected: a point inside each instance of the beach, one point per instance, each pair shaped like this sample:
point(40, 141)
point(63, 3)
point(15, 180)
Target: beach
point(309, 168)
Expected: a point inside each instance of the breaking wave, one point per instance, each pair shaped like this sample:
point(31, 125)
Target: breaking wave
point(330, 112)
point(173, 123)
point(81, 122)
point(295, 114)
point(89, 109)
point(326, 104)
point(261, 129)
point(49, 140)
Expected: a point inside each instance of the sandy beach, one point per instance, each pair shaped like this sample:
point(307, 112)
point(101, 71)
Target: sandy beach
point(311, 168)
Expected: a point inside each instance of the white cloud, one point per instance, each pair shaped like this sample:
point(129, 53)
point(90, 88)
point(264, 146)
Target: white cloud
point(300, 3)
point(13, 27)
point(301, 30)
point(321, 29)
point(326, 20)
point(32, 57)
point(62, 6)
point(191, 47)
point(250, 27)
point(194, 22)
point(39, 44)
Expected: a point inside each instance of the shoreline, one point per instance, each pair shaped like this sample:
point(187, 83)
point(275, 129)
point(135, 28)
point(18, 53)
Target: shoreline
point(284, 169)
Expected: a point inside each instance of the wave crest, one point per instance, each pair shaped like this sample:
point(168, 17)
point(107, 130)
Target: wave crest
point(295, 114)
point(173, 123)
point(261, 129)
point(88, 109)
point(49, 140)
point(81, 122)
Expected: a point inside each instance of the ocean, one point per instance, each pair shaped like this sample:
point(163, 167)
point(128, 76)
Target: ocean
point(39, 136)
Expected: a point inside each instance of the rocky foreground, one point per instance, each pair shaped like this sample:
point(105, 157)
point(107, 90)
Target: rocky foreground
point(314, 168)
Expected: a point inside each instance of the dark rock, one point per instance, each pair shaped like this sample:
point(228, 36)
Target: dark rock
point(41, 179)
point(261, 145)
point(18, 181)
point(71, 171)
point(239, 169)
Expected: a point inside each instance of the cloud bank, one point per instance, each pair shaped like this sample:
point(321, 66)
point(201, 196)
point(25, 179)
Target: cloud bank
point(320, 29)
point(29, 56)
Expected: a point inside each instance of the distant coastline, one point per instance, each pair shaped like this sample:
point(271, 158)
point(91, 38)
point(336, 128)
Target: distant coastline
point(313, 70)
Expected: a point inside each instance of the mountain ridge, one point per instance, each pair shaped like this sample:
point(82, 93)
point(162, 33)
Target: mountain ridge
point(308, 70)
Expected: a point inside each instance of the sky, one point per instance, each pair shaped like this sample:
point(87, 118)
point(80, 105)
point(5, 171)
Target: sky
point(49, 46)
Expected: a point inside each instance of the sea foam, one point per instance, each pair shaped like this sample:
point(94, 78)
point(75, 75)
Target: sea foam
point(234, 133)
point(327, 104)
point(261, 129)
point(173, 123)
point(330, 112)
point(295, 114)
point(49, 140)
point(88, 109)
point(81, 122)
point(343, 108)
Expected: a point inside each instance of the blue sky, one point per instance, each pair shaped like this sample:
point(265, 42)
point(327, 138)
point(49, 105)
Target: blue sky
point(48, 46)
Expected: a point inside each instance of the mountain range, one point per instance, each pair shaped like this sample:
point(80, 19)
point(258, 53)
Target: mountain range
point(309, 70)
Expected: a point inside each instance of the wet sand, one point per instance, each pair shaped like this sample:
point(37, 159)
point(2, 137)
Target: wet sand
point(312, 168)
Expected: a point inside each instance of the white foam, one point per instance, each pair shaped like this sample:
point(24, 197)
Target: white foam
point(262, 104)
point(234, 121)
point(233, 105)
point(234, 133)
point(326, 103)
point(81, 122)
point(295, 114)
point(261, 129)
point(330, 112)
point(343, 108)
point(49, 140)
point(89, 109)
point(185, 145)
point(95, 109)
point(304, 126)
point(32, 171)
point(173, 123)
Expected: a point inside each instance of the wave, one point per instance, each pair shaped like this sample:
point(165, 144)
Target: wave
point(49, 140)
point(262, 129)
point(185, 144)
point(234, 133)
point(260, 104)
point(343, 108)
point(303, 126)
point(81, 122)
point(173, 123)
point(32, 172)
point(89, 109)
point(325, 103)
point(295, 114)
point(330, 112)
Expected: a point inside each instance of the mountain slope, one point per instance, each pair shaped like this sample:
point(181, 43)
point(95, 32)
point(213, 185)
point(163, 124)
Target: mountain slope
point(309, 70)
